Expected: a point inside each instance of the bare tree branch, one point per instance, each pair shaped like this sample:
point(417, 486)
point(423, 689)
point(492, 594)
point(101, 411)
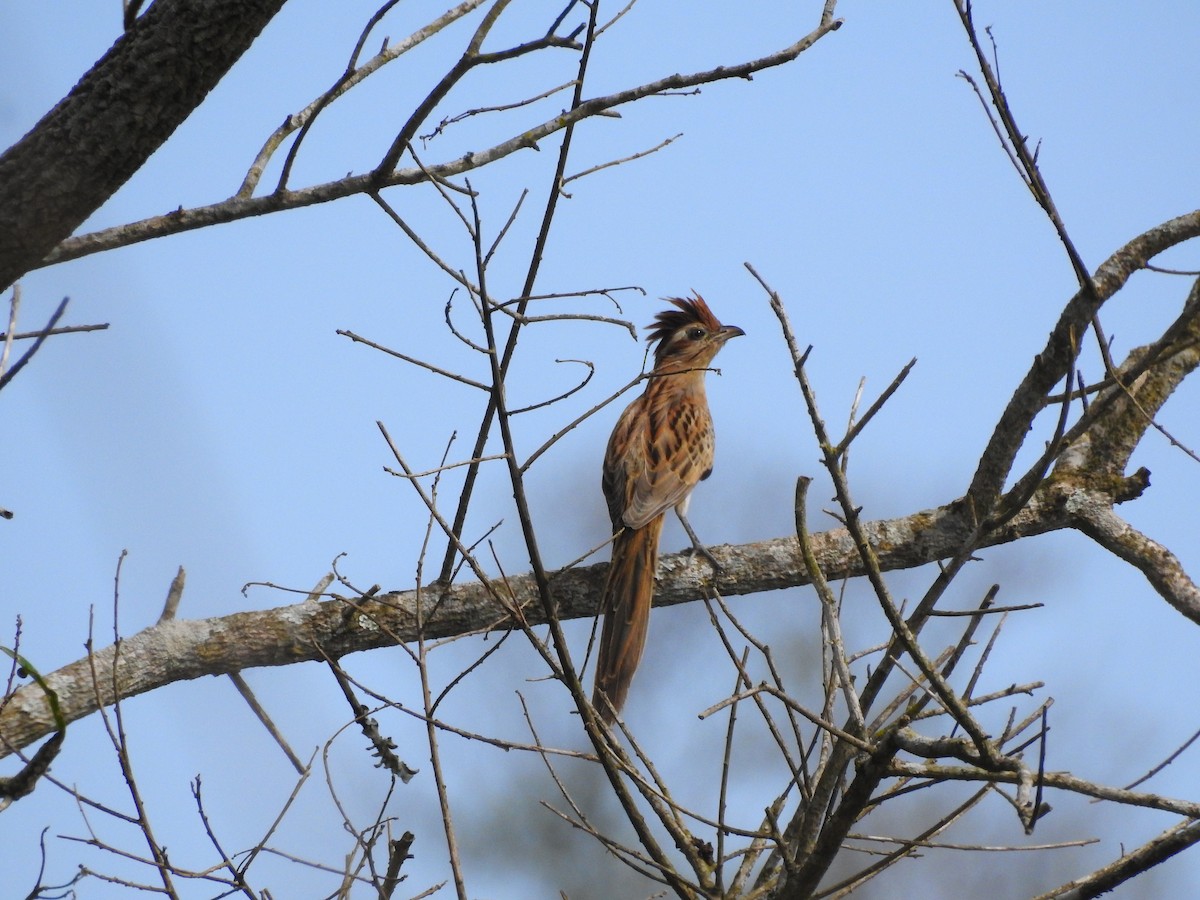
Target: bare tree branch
point(182, 649)
point(1053, 363)
point(235, 208)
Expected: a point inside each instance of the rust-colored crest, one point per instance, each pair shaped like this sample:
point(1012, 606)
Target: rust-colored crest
point(688, 311)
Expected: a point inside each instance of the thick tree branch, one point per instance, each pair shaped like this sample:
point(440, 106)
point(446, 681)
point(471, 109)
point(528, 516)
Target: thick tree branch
point(179, 650)
point(1095, 517)
point(1130, 864)
point(1053, 364)
point(118, 114)
point(1143, 383)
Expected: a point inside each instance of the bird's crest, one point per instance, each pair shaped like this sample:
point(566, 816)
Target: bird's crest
point(689, 311)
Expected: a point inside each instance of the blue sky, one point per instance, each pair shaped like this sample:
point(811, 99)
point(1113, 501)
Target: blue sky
point(222, 425)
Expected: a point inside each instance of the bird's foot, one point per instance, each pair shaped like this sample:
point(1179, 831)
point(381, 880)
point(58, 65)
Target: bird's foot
point(700, 550)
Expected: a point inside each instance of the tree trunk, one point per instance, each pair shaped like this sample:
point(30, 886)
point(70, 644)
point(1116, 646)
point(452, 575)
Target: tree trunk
point(118, 114)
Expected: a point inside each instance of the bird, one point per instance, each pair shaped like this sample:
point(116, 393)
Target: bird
point(660, 449)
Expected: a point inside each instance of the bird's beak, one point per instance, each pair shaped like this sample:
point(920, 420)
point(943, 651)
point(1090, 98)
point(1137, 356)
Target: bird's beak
point(729, 331)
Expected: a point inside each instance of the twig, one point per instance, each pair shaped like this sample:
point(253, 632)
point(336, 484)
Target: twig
point(10, 374)
point(616, 162)
point(438, 370)
point(1166, 762)
point(261, 714)
point(503, 107)
point(857, 428)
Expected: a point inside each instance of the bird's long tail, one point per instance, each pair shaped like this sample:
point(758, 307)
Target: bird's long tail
point(628, 592)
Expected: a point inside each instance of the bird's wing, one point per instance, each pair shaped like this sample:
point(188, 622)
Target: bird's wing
point(658, 452)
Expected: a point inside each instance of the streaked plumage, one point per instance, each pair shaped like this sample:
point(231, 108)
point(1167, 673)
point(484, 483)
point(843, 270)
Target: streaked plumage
point(660, 449)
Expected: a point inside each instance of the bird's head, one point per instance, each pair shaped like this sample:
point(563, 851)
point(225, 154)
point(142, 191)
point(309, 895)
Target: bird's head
point(688, 336)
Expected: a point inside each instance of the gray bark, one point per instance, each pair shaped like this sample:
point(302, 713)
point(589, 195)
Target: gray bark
point(118, 114)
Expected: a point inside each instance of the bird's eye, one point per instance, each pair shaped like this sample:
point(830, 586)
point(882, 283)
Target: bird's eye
point(694, 334)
